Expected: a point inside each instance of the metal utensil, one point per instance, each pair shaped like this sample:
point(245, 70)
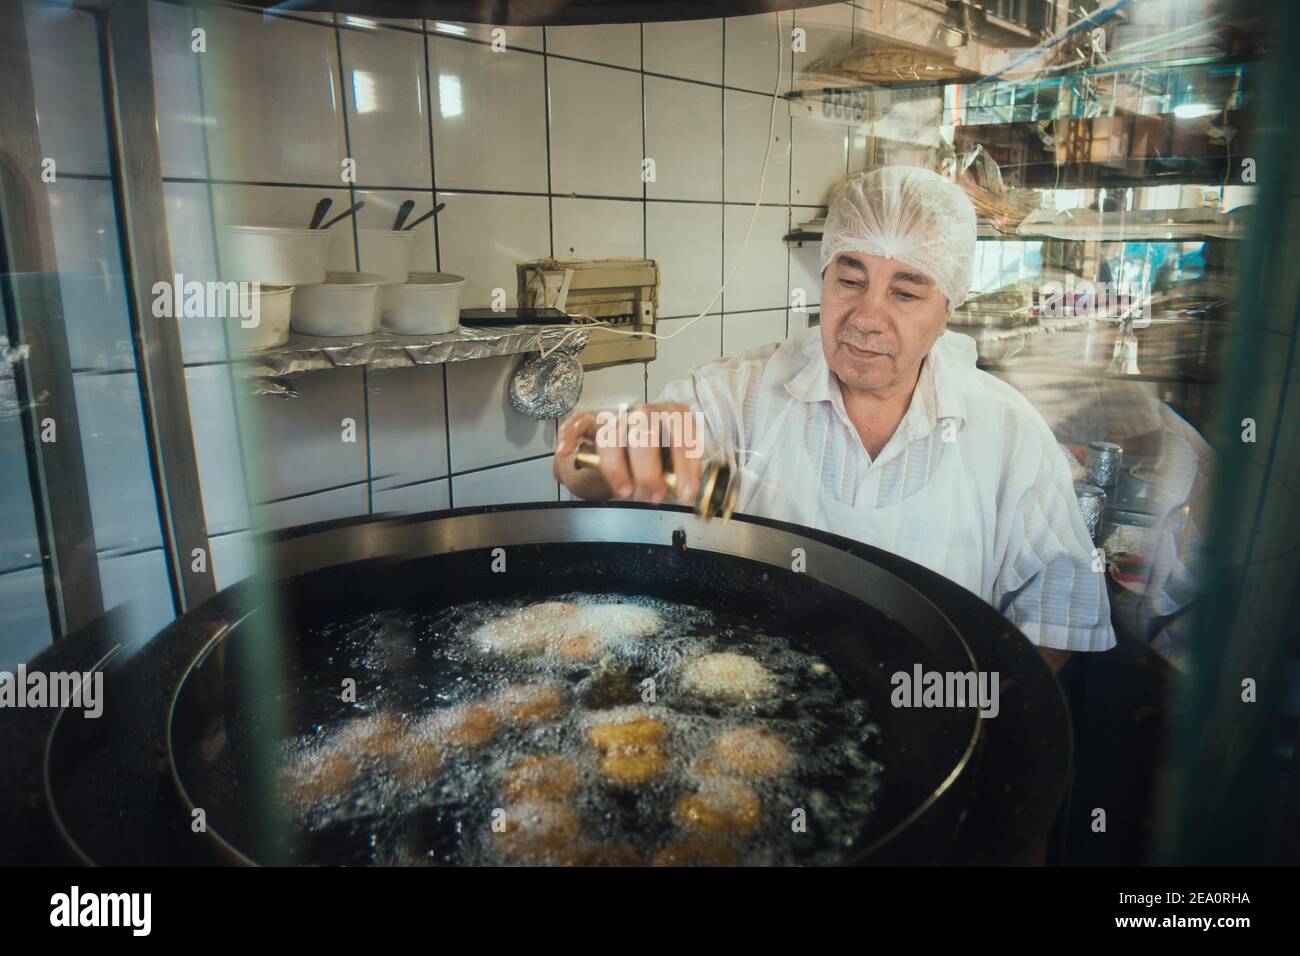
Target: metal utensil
point(343, 215)
point(322, 208)
point(403, 211)
point(719, 486)
point(432, 212)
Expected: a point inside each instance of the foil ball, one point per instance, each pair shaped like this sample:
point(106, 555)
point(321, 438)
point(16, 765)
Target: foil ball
point(547, 386)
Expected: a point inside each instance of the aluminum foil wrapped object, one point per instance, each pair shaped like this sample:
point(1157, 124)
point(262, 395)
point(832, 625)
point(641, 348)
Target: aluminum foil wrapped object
point(1092, 504)
point(547, 386)
point(1103, 463)
point(11, 355)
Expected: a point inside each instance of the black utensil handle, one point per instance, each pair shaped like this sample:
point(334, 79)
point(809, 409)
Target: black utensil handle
point(344, 215)
point(403, 211)
point(431, 212)
point(322, 208)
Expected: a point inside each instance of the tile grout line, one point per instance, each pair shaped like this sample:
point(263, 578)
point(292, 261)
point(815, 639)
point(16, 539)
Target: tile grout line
point(363, 187)
point(645, 145)
point(446, 417)
point(645, 206)
point(433, 161)
point(437, 247)
point(789, 209)
point(244, 469)
point(546, 111)
point(446, 476)
point(550, 204)
point(474, 40)
point(722, 275)
point(356, 251)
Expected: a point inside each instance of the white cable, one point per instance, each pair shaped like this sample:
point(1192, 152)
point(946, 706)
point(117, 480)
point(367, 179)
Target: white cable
point(563, 340)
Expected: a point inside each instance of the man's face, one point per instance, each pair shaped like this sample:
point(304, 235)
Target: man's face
point(879, 320)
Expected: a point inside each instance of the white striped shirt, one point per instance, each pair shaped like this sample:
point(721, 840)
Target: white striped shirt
point(1038, 565)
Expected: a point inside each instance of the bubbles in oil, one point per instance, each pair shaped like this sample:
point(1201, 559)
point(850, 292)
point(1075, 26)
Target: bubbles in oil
point(586, 729)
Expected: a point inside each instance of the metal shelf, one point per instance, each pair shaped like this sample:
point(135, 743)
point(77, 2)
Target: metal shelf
point(1052, 76)
point(309, 353)
point(992, 235)
point(1088, 372)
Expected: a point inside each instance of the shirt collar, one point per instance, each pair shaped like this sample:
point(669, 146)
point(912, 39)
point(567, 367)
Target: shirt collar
point(937, 396)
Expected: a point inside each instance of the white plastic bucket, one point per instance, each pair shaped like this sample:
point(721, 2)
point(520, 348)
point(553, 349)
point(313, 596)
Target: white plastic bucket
point(272, 329)
point(345, 304)
point(427, 304)
point(274, 255)
point(386, 252)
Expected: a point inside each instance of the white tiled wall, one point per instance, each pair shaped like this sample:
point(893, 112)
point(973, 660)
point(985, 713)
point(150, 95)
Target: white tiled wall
point(24, 620)
point(533, 138)
point(272, 98)
point(412, 499)
point(64, 57)
point(216, 433)
point(133, 580)
point(618, 44)
point(485, 430)
point(749, 330)
point(384, 87)
point(691, 49)
point(409, 416)
point(123, 508)
point(468, 82)
point(536, 149)
point(683, 124)
point(63, 52)
point(19, 544)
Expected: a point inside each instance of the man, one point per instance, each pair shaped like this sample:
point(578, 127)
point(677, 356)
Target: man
point(878, 426)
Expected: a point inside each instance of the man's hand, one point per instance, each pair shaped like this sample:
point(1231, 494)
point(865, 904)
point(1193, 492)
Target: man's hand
point(628, 472)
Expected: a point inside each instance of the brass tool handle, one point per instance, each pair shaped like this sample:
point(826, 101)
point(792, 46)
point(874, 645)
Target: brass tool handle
point(719, 488)
point(588, 457)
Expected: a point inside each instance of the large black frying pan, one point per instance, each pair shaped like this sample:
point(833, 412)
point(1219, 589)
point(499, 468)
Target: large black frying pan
point(956, 788)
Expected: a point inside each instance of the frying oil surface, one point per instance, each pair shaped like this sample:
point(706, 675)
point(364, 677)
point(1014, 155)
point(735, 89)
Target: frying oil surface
point(585, 729)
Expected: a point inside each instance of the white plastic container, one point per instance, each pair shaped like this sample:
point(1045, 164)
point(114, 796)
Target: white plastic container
point(346, 304)
point(274, 255)
point(427, 304)
point(272, 303)
point(386, 252)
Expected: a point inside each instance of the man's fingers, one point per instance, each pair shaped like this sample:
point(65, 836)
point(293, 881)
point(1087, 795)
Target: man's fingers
point(648, 472)
point(644, 453)
point(614, 466)
point(639, 466)
point(685, 468)
point(571, 429)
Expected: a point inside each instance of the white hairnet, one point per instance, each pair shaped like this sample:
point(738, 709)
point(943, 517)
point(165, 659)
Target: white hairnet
point(909, 214)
